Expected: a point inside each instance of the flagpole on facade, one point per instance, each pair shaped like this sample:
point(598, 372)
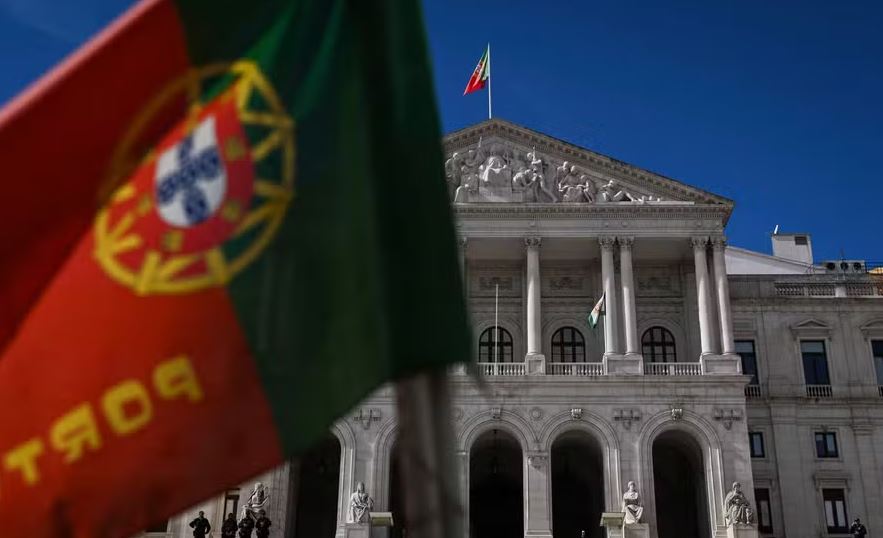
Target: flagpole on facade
point(429, 478)
point(490, 114)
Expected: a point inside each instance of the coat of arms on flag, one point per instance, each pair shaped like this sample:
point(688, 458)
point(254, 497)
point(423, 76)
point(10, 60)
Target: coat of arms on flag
point(166, 229)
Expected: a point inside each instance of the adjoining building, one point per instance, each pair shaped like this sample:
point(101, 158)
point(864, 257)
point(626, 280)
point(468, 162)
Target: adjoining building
point(712, 365)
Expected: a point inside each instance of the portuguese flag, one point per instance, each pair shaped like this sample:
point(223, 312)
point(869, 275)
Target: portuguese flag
point(481, 74)
point(225, 224)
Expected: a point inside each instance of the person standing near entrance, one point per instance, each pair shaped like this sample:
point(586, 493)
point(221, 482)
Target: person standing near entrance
point(857, 529)
point(200, 526)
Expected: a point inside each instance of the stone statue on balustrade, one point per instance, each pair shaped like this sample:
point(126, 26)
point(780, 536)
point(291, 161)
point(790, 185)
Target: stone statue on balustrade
point(737, 509)
point(632, 505)
point(257, 501)
point(360, 505)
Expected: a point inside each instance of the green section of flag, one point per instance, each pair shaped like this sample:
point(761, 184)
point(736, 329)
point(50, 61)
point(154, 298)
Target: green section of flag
point(362, 283)
point(597, 312)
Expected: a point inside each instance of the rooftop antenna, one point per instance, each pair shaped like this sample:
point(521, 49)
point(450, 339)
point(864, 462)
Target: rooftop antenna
point(776, 230)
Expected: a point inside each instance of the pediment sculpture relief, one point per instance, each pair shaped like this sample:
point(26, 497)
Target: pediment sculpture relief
point(499, 173)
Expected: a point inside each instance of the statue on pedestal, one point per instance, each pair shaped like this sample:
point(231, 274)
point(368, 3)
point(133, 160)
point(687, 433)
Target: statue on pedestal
point(631, 505)
point(360, 505)
point(737, 509)
point(256, 501)
point(228, 528)
point(262, 525)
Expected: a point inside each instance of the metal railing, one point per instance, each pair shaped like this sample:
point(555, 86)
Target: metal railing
point(672, 368)
point(753, 391)
point(501, 368)
point(590, 369)
point(819, 391)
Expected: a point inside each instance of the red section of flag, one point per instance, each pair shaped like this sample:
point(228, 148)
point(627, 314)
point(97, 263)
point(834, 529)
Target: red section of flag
point(105, 441)
point(56, 140)
point(480, 75)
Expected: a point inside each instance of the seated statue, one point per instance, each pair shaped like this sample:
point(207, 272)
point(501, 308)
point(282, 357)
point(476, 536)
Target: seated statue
point(360, 505)
point(737, 509)
point(610, 193)
point(495, 173)
point(256, 502)
point(631, 505)
point(574, 187)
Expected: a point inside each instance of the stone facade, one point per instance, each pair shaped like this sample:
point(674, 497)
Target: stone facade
point(540, 243)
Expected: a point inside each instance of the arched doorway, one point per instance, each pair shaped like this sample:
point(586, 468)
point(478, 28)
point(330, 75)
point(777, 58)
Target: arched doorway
point(316, 488)
point(679, 487)
point(496, 502)
point(396, 498)
point(577, 485)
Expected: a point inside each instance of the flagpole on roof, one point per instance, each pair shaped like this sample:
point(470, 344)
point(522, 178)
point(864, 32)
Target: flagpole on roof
point(489, 109)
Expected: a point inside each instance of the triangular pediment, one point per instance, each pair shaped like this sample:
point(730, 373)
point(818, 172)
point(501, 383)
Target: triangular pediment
point(498, 161)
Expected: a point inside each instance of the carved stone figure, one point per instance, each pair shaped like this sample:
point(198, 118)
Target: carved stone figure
point(574, 187)
point(610, 192)
point(495, 173)
point(632, 505)
point(256, 501)
point(526, 181)
point(452, 172)
point(360, 505)
point(737, 509)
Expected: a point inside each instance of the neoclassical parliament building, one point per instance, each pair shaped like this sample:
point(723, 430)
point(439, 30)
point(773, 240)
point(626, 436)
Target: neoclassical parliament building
point(712, 365)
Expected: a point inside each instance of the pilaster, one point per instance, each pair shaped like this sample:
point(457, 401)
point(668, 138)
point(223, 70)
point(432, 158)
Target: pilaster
point(537, 493)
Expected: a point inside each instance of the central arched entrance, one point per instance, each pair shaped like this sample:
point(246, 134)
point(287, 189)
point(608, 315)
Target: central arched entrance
point(577, 485)
point(679, 487)
point(496, 502)
point(316, 482)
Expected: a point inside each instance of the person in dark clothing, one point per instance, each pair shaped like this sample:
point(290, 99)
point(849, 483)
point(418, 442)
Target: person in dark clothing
point(246, 525)
point(200, 526)
point(228, 529)
point(262, 526)
point(857, 529)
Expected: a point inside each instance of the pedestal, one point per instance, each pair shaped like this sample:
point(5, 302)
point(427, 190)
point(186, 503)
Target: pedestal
point(738, 530)
point(637, 530)
point(720, 364)
point(612, 521)
point(622, 364)
point(535, 364)
point(356, 530)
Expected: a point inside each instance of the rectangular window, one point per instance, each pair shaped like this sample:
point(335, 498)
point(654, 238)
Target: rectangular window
point(755, 442)
point(231, 502)
point(764, 513)
point(745, 349)
point(835, 510)
point(877, 346)
point(815, 362)
point(826, 445)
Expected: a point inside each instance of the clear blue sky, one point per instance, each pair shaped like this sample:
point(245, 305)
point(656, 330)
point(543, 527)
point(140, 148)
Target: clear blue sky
point(777, 105)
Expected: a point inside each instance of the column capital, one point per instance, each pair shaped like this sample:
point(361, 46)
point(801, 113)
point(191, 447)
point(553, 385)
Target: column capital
point(532, 241)
point(625, 243)
point(699, 242)
point(606, 242)
point(719, 242)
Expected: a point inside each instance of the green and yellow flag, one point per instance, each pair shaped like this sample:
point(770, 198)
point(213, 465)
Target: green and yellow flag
point(225, 224)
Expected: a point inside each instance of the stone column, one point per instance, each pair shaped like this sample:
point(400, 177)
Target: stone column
point(627, 281)
point(702, 293)
point(537, 493)
point(611, 333)
point(535, 361)
point(722, 285)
